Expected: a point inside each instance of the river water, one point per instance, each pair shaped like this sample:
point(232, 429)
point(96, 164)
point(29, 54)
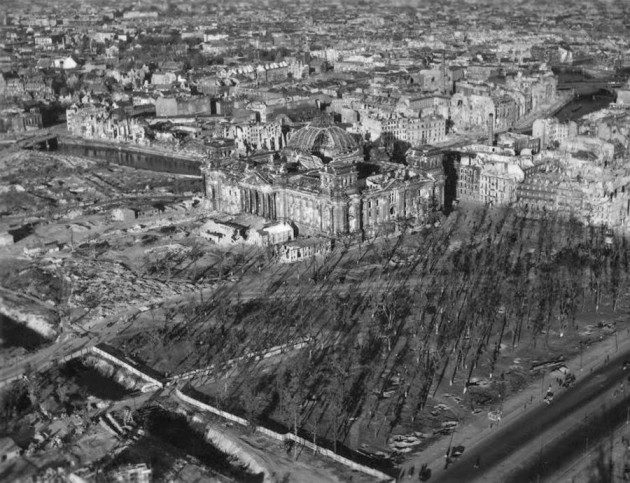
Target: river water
point(151, 162)
point(591, 100)
point(584, 104)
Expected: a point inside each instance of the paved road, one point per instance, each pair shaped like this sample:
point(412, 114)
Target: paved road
point(583, 464)
point(593, 389)
point(546, 462)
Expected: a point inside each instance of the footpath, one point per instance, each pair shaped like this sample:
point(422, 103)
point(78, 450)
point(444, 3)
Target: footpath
point(479, 427)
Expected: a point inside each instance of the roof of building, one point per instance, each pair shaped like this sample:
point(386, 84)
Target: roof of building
point(322, 137)
point(278, 228)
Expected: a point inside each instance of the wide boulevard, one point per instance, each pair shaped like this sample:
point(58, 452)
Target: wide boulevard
point(547, 438)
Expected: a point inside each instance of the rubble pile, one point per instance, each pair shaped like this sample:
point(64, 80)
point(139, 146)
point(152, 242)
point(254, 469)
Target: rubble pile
point(112, 286)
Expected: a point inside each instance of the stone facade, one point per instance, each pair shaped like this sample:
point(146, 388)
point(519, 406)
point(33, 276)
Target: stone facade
point(506, 112)
point(613, 127)
point(489, 178)
point(427, 159)
point(299, 250)
point(13, 121)
point(416, 131)
point(623, 95)
point(519, 142)
point(164, 79)
point(322, 186)
point(471, 111)
point(508, 101)
point(256, 136)
point(551, 130)
point(570, 187)
point(103, 124)
point(590, 203)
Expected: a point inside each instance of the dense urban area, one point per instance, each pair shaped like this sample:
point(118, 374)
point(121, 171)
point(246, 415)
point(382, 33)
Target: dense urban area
point(299, 241)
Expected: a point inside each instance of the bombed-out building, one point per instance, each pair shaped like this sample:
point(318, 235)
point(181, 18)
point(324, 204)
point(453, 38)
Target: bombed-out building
point(102, 123)
point(322, 185)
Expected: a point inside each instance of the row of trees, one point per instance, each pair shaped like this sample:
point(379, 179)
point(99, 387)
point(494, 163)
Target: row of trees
point(484, 282)
point(431, 309)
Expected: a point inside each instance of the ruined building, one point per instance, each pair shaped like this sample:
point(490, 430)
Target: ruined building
point(16, 120)
point(567, 186)
point(322, 185)
point(490, 175)
point(104, 124)
point(551, 130)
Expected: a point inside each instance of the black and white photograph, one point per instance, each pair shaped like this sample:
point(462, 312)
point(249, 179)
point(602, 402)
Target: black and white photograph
point(312, 241)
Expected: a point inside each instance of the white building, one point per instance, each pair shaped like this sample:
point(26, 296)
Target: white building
point(551, 130)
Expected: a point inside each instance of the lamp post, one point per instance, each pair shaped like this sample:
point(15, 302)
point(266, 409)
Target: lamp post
point(616, 341)
point(540, 460)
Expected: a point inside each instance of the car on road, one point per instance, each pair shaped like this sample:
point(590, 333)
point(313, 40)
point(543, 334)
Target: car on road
point(457, 451)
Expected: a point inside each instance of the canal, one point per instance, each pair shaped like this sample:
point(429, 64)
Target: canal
point(584, 104)
point(591, 96)
point(133, 159)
